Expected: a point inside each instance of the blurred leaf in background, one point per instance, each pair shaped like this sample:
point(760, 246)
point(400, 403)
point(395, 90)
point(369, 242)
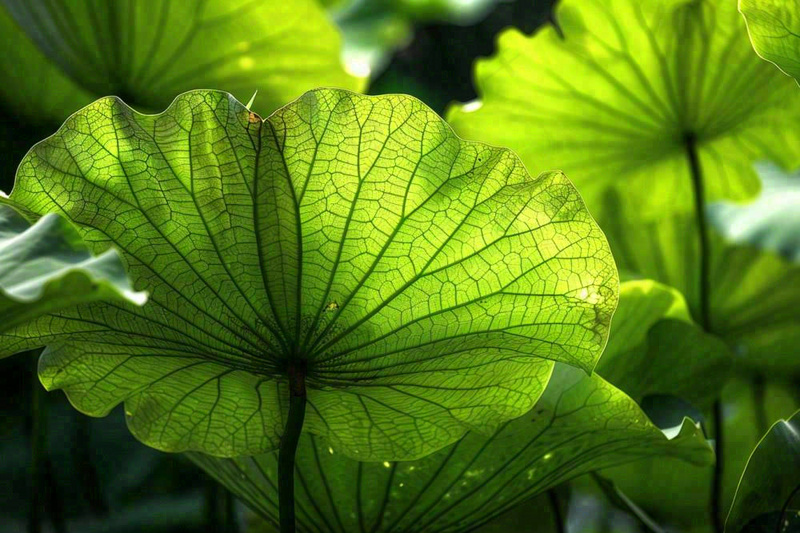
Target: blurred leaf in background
point(774, 29)
point(61, 56)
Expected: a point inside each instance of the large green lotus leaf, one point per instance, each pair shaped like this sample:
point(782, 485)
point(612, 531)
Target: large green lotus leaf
point(774, 28)
point(33, 87)
point(648, 81)
point(428, 283)
point(677, 494)
point(45, 268)
point(574, 443)
point(655, 349)
point(581, 423)
point(149, 51)
point(771, 479)
point(644, 75)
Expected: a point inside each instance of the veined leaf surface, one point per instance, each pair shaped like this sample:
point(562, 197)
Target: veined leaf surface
point(427, 283)
point(651, 85)
point(774, 28)
point(582, 423)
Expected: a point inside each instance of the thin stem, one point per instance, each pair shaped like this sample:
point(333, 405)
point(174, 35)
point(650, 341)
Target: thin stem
point(785, 509)
point(702, 230)
point(231, 524)
point(716, 494)
point(759, 393)
point(288, 449)
point(558, 516)
point(698, 188)
point(39, 455)
point(212, 505)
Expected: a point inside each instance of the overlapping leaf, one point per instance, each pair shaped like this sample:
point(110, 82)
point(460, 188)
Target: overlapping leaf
point(774, 28)
point(681, 497)
point(655, 348)
point(46, 268)
point(429, 283)
point(688, 364)
point(650, 84)
point(149, 51)
point(770, 483)
point(580, 424)
point(680, 361)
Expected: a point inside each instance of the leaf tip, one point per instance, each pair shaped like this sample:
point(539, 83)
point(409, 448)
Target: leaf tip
point(252, 99)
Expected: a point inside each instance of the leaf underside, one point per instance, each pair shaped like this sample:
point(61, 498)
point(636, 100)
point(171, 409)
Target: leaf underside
point(428, 282)
point(581, 423)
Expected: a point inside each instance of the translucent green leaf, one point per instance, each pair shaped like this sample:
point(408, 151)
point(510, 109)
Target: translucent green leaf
point(774, 26)
point(655, 349)
point(678, 494)
point(428, 283)
point(46, 268)
point(771, 479)
point(642, 76)
point(581, 423)
point(622, 103)
point(34, 89)
point(149, 51)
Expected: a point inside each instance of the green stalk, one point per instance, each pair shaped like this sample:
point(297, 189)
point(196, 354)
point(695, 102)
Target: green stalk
point(702, 229)
point(288, 449)
point(558, 516)
point(39, 455)
point(705, 316)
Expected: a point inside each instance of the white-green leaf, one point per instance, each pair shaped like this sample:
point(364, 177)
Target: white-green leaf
point(46, 268)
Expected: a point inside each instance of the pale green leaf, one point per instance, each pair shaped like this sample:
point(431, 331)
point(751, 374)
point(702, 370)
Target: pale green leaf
point(613, 101)
point(771, 479)
point(655, 349)
point(45, 268)
point(774, 28)
point(147, 52)
point(581, 423)
point(427, 282)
